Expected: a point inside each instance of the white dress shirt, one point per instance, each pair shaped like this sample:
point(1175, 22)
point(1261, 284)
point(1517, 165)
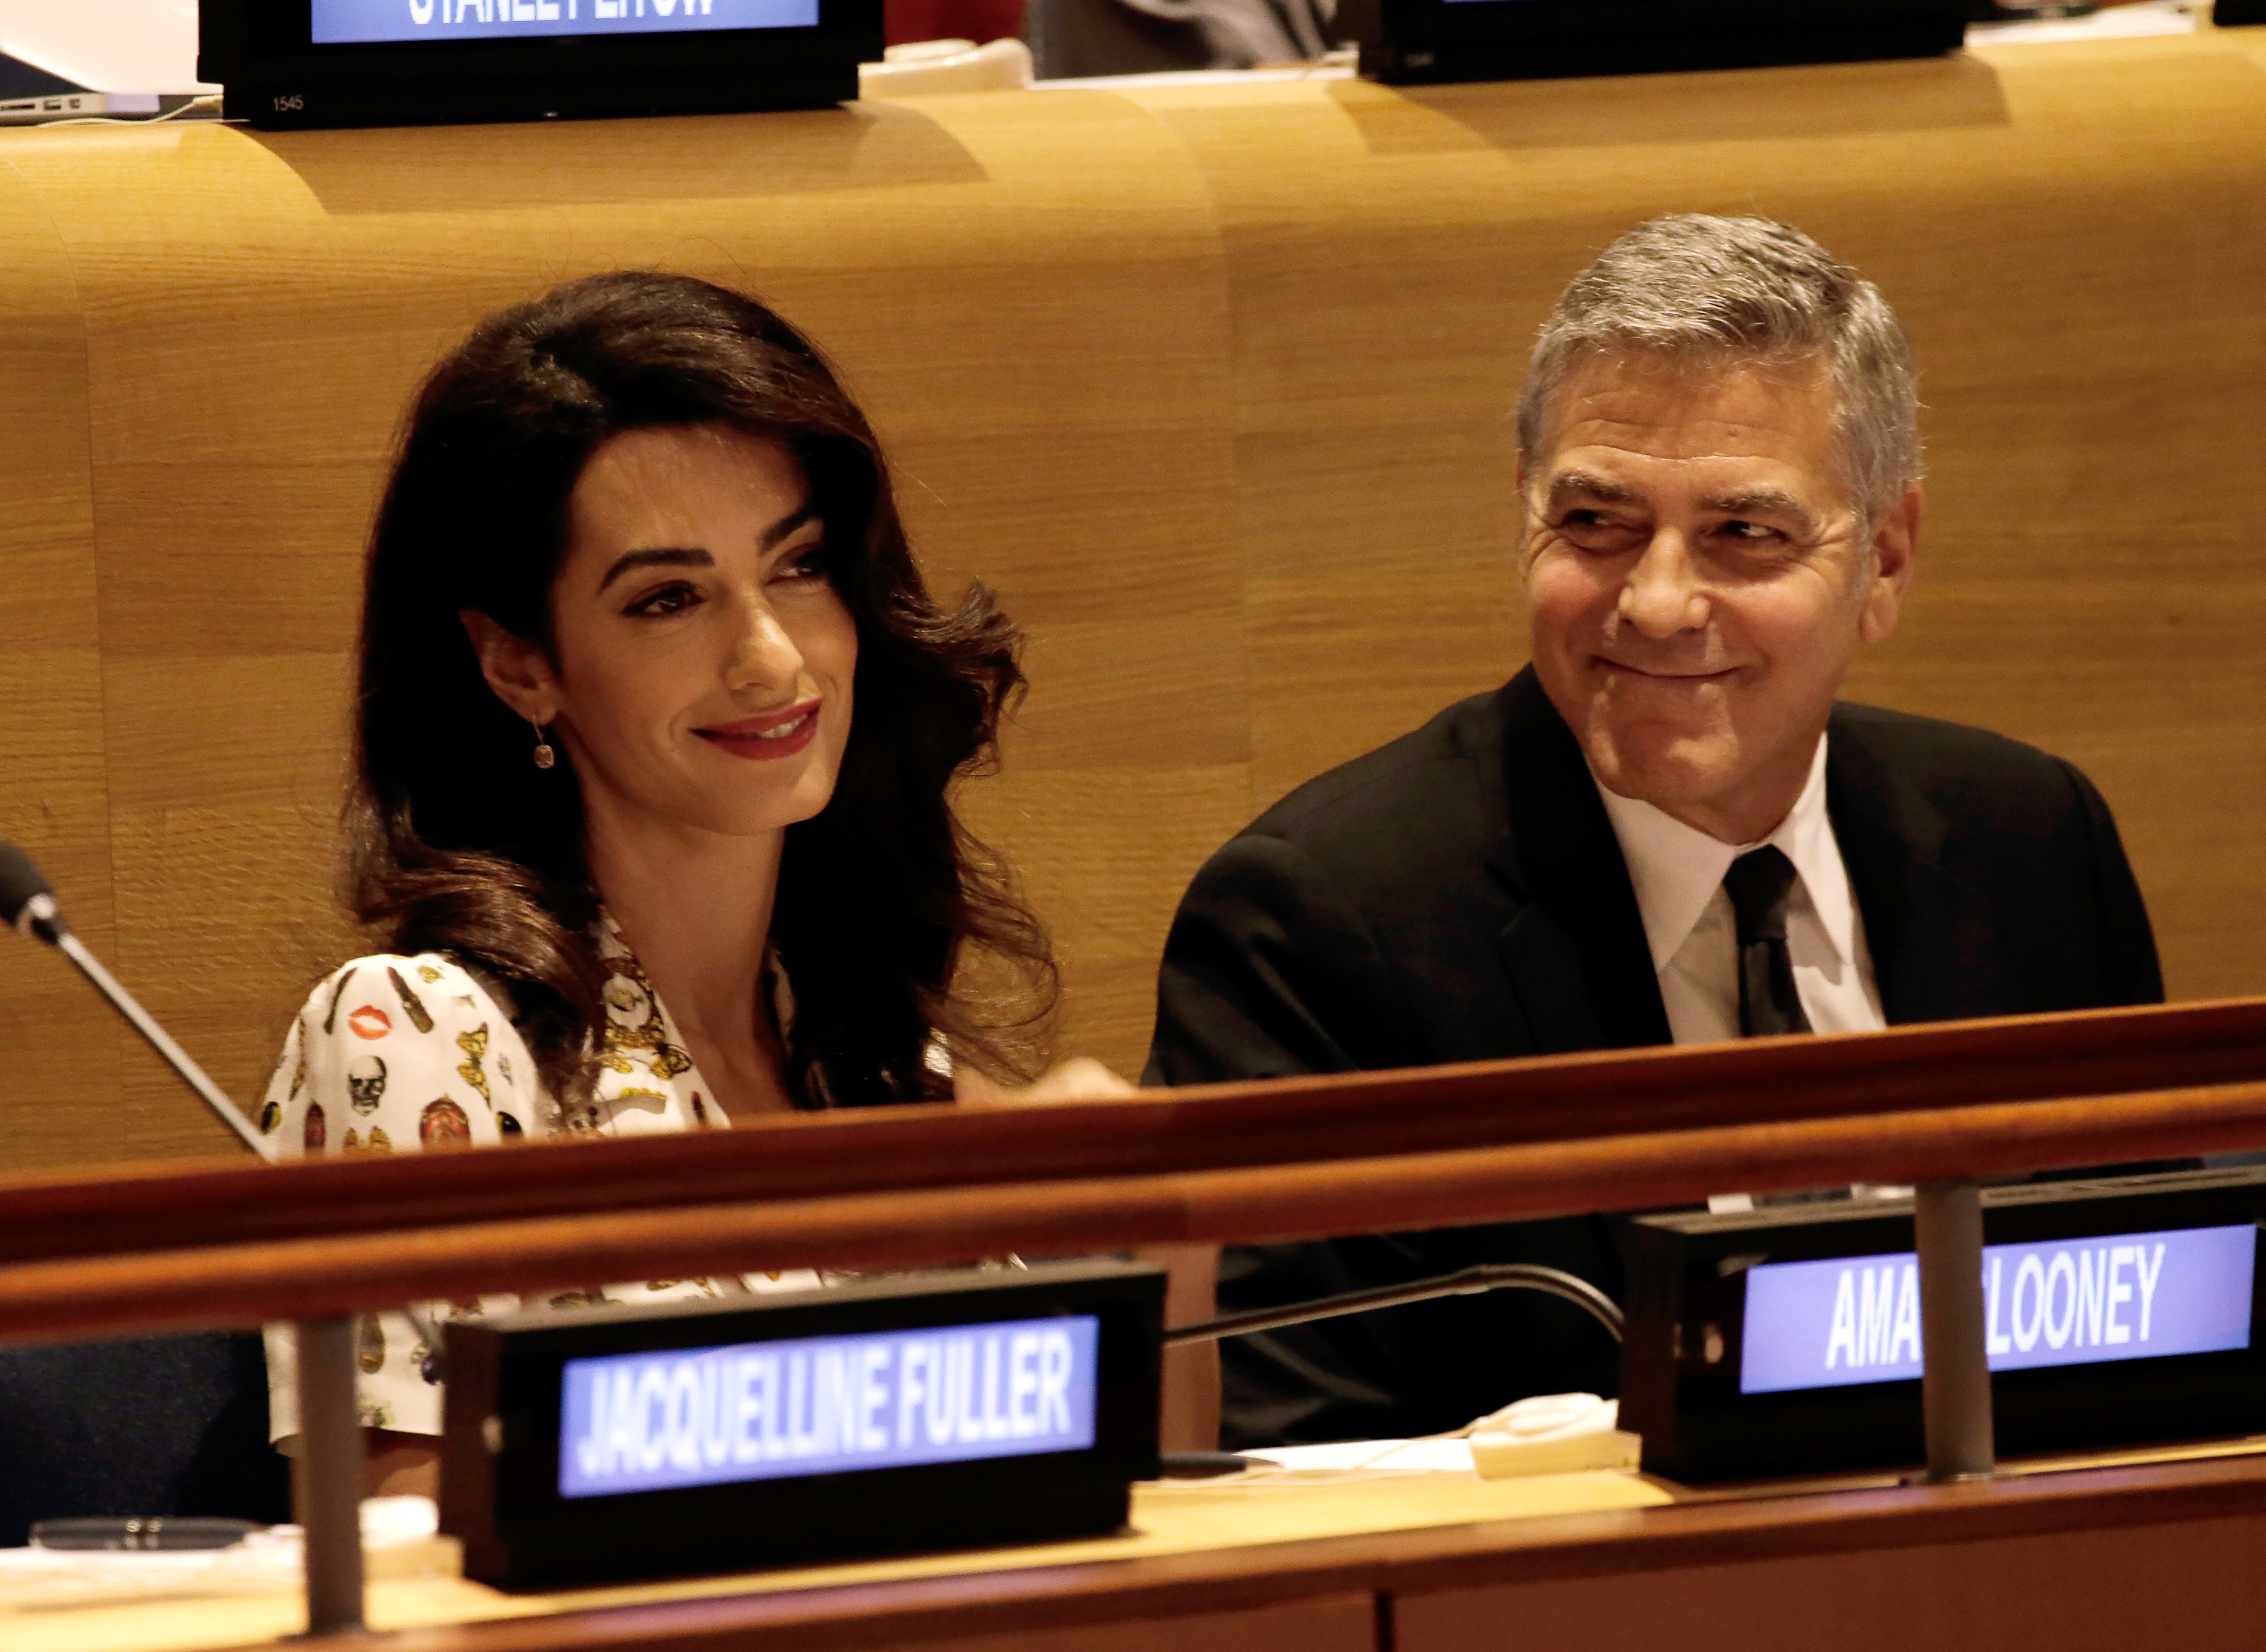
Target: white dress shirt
point(1678, 871)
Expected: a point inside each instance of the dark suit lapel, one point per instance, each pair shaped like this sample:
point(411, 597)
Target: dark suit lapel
point(1935, 956)
point(1576, 953)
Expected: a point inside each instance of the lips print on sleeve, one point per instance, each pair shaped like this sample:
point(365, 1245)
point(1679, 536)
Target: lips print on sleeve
point(368, 1021)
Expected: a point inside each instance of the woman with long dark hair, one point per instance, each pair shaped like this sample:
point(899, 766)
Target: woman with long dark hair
point(656, 736)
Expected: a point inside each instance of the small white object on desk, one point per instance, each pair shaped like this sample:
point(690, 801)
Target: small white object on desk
point(1377, 1456)
point(1547, 1434)
point(2111, 23)
point(400, 1538)
point(922, 68)
point(1553, 1434)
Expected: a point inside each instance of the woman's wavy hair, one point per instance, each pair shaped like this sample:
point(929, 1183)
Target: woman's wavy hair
point(459, 843)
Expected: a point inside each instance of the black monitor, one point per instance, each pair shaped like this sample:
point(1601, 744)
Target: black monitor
point(402, 62)
point(1414, 41)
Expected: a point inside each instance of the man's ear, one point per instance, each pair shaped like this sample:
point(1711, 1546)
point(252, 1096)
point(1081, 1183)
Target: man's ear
point(515, 668)
point(1896, 542)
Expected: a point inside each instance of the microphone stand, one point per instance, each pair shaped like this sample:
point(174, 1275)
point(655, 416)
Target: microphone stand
point(141, 1021)
point(1470, 1282)
point(326, 1476)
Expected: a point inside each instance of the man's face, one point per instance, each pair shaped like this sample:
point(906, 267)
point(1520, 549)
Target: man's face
point(1700, 578)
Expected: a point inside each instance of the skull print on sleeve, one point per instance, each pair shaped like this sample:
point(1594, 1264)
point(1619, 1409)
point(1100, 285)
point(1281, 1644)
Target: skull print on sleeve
point(393, 1055)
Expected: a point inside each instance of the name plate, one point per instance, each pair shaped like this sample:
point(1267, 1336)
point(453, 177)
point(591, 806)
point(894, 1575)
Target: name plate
point(1412, 42)
point(345, 22)
point(2118, 1312)
point(2062, 1302)
point(828, 1405)
point(945, 1410)
point(409, 62)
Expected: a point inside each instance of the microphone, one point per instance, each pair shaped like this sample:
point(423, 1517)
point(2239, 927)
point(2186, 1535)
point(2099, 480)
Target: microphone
point(1469, 1281)
point(28, 903)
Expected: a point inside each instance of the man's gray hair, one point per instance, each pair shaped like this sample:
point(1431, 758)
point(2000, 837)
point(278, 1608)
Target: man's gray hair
point(1690, 287)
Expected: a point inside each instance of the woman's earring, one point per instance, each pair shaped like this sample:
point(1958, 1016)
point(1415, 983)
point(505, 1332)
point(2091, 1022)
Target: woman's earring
point(543, 755)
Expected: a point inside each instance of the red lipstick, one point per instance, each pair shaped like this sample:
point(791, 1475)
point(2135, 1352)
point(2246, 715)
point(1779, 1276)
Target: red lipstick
point(766, 739)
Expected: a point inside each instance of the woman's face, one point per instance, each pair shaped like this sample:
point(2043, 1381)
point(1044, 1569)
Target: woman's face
point(701, 660)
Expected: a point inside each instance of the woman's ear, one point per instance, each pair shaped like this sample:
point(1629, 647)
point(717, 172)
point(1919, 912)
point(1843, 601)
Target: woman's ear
point(518, 670)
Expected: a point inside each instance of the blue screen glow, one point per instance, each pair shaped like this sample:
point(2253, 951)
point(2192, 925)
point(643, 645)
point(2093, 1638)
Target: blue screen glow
point(824, 1405)
point(2060, 1301)
point(351, 22)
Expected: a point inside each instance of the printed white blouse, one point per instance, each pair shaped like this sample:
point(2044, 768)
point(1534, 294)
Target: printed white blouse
point(394, 1054)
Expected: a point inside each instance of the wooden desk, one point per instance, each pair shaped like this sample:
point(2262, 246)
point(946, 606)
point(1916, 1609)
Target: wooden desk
point(1211, 382)
point(2099, 1560)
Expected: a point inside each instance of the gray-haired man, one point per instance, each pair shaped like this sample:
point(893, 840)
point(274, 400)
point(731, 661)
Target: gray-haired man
point(1665, 829)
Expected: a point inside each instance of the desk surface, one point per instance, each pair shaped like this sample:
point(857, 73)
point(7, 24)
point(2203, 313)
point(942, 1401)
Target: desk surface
point(1205, 1550)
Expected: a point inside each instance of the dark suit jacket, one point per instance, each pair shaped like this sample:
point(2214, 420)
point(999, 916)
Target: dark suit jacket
point(1460, 895)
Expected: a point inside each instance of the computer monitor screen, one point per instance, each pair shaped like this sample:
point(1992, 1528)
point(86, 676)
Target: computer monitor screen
point(2058, 1302)
point(827, 1405)
point(358, 22)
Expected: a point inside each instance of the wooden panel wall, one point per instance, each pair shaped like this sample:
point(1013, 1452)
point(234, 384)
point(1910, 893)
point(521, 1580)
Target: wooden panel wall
point(60, 1099)
point(1211, 383)
point(1039, 329)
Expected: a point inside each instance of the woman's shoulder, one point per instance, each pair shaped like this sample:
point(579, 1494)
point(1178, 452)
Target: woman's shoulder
point(395, 1050)
point(374, 997)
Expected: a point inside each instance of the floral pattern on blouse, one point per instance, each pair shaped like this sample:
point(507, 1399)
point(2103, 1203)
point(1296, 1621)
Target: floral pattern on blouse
point(395, 1055)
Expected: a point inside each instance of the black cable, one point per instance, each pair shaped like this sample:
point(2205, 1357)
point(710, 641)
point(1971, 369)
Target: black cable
point(1471, 1281)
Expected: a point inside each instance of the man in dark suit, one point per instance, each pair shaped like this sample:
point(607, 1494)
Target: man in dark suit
point(1665, 829)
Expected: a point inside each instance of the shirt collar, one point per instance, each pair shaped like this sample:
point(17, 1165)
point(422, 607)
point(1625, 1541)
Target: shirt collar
point(1676, 869)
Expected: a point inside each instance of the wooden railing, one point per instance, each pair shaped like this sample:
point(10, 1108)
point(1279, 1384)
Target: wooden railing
point(171, 1246)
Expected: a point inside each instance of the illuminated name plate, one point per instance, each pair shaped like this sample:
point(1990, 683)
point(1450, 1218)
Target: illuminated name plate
point(341, 22)
point(946, 1410)
point(2139, 1296)
point(1787, 1341)
point(416, 62)
point(828, 1405)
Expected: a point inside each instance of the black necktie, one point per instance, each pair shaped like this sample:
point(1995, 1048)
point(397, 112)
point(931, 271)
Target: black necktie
point(1758, 883)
